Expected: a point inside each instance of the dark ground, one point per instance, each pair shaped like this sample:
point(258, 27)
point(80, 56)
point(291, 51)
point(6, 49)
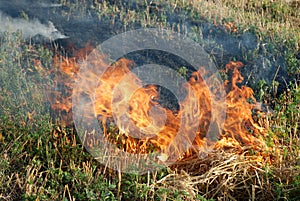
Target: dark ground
point(86, 28)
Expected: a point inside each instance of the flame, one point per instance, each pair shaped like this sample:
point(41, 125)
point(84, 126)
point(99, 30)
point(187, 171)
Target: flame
point(141, 123)
point(239, 124)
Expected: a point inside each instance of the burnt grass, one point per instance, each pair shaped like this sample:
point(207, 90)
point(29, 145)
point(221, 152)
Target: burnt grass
point(263, 60)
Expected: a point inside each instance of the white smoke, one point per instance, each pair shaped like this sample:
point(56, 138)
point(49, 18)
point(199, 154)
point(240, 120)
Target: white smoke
point(29, 28)
point(52, 5)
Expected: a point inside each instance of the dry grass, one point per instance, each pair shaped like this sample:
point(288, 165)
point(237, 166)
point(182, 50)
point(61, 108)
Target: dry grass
point(272, 18)
point(228, 176)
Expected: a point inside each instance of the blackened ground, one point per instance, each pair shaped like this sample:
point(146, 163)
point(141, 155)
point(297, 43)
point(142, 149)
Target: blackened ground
point(84, 27)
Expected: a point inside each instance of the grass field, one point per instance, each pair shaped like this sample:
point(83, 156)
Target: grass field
point(42, 159)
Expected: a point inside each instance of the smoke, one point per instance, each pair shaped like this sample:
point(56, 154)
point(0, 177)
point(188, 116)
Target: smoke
point(29, 28)
point(46, 5)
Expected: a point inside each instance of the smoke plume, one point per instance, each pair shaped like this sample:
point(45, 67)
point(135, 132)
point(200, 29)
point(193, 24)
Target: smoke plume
point(29, 28)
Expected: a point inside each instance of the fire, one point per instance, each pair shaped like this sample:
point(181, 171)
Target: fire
point(239, 124)
point(141, 123)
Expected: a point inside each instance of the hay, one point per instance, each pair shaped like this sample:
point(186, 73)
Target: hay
point(221, 176)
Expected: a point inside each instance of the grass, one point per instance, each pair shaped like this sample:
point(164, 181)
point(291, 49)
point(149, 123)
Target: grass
point(43, 160)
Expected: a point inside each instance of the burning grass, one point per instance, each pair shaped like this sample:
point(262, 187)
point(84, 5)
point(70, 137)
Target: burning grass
point(237, 167)
point(244, 163)
point(240, 130)
point(41, 160)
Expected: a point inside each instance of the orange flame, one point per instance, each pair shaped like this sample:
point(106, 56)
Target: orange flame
point(143, 124)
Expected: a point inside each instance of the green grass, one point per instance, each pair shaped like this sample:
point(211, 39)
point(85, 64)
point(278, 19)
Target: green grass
point(42, 160)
